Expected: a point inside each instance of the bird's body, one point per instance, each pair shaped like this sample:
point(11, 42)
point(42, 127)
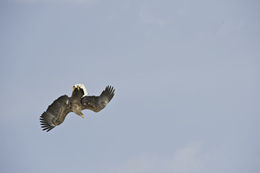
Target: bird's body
point(77, 93)
point(61, 107)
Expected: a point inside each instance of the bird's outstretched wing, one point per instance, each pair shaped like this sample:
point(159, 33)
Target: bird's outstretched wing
point(97, 103)
point(56, 113)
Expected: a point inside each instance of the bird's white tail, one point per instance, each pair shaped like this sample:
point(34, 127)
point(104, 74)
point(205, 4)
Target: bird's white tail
point(82, 86)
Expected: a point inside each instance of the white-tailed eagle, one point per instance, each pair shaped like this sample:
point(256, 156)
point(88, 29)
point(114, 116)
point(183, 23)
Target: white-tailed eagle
point(59, 109)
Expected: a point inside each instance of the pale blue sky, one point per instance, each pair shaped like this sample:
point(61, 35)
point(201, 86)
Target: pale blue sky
point(186, 75)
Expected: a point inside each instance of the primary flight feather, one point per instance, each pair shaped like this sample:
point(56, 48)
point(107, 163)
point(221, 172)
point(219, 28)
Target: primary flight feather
point(59, 109)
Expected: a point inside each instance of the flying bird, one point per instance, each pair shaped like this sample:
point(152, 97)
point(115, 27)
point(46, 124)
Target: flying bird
point(62, 106)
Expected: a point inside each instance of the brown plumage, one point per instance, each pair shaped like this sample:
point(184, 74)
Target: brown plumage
point(97, 103)
point(61, 107)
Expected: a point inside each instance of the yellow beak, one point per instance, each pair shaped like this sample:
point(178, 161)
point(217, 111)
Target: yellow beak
point(82, 116)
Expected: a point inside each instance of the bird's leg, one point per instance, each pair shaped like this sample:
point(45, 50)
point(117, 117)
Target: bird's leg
point(80, 114)
point(76, 87)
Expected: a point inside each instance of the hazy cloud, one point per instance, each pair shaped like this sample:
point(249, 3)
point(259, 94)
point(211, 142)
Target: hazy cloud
point(149, 18)
point(186, 159)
